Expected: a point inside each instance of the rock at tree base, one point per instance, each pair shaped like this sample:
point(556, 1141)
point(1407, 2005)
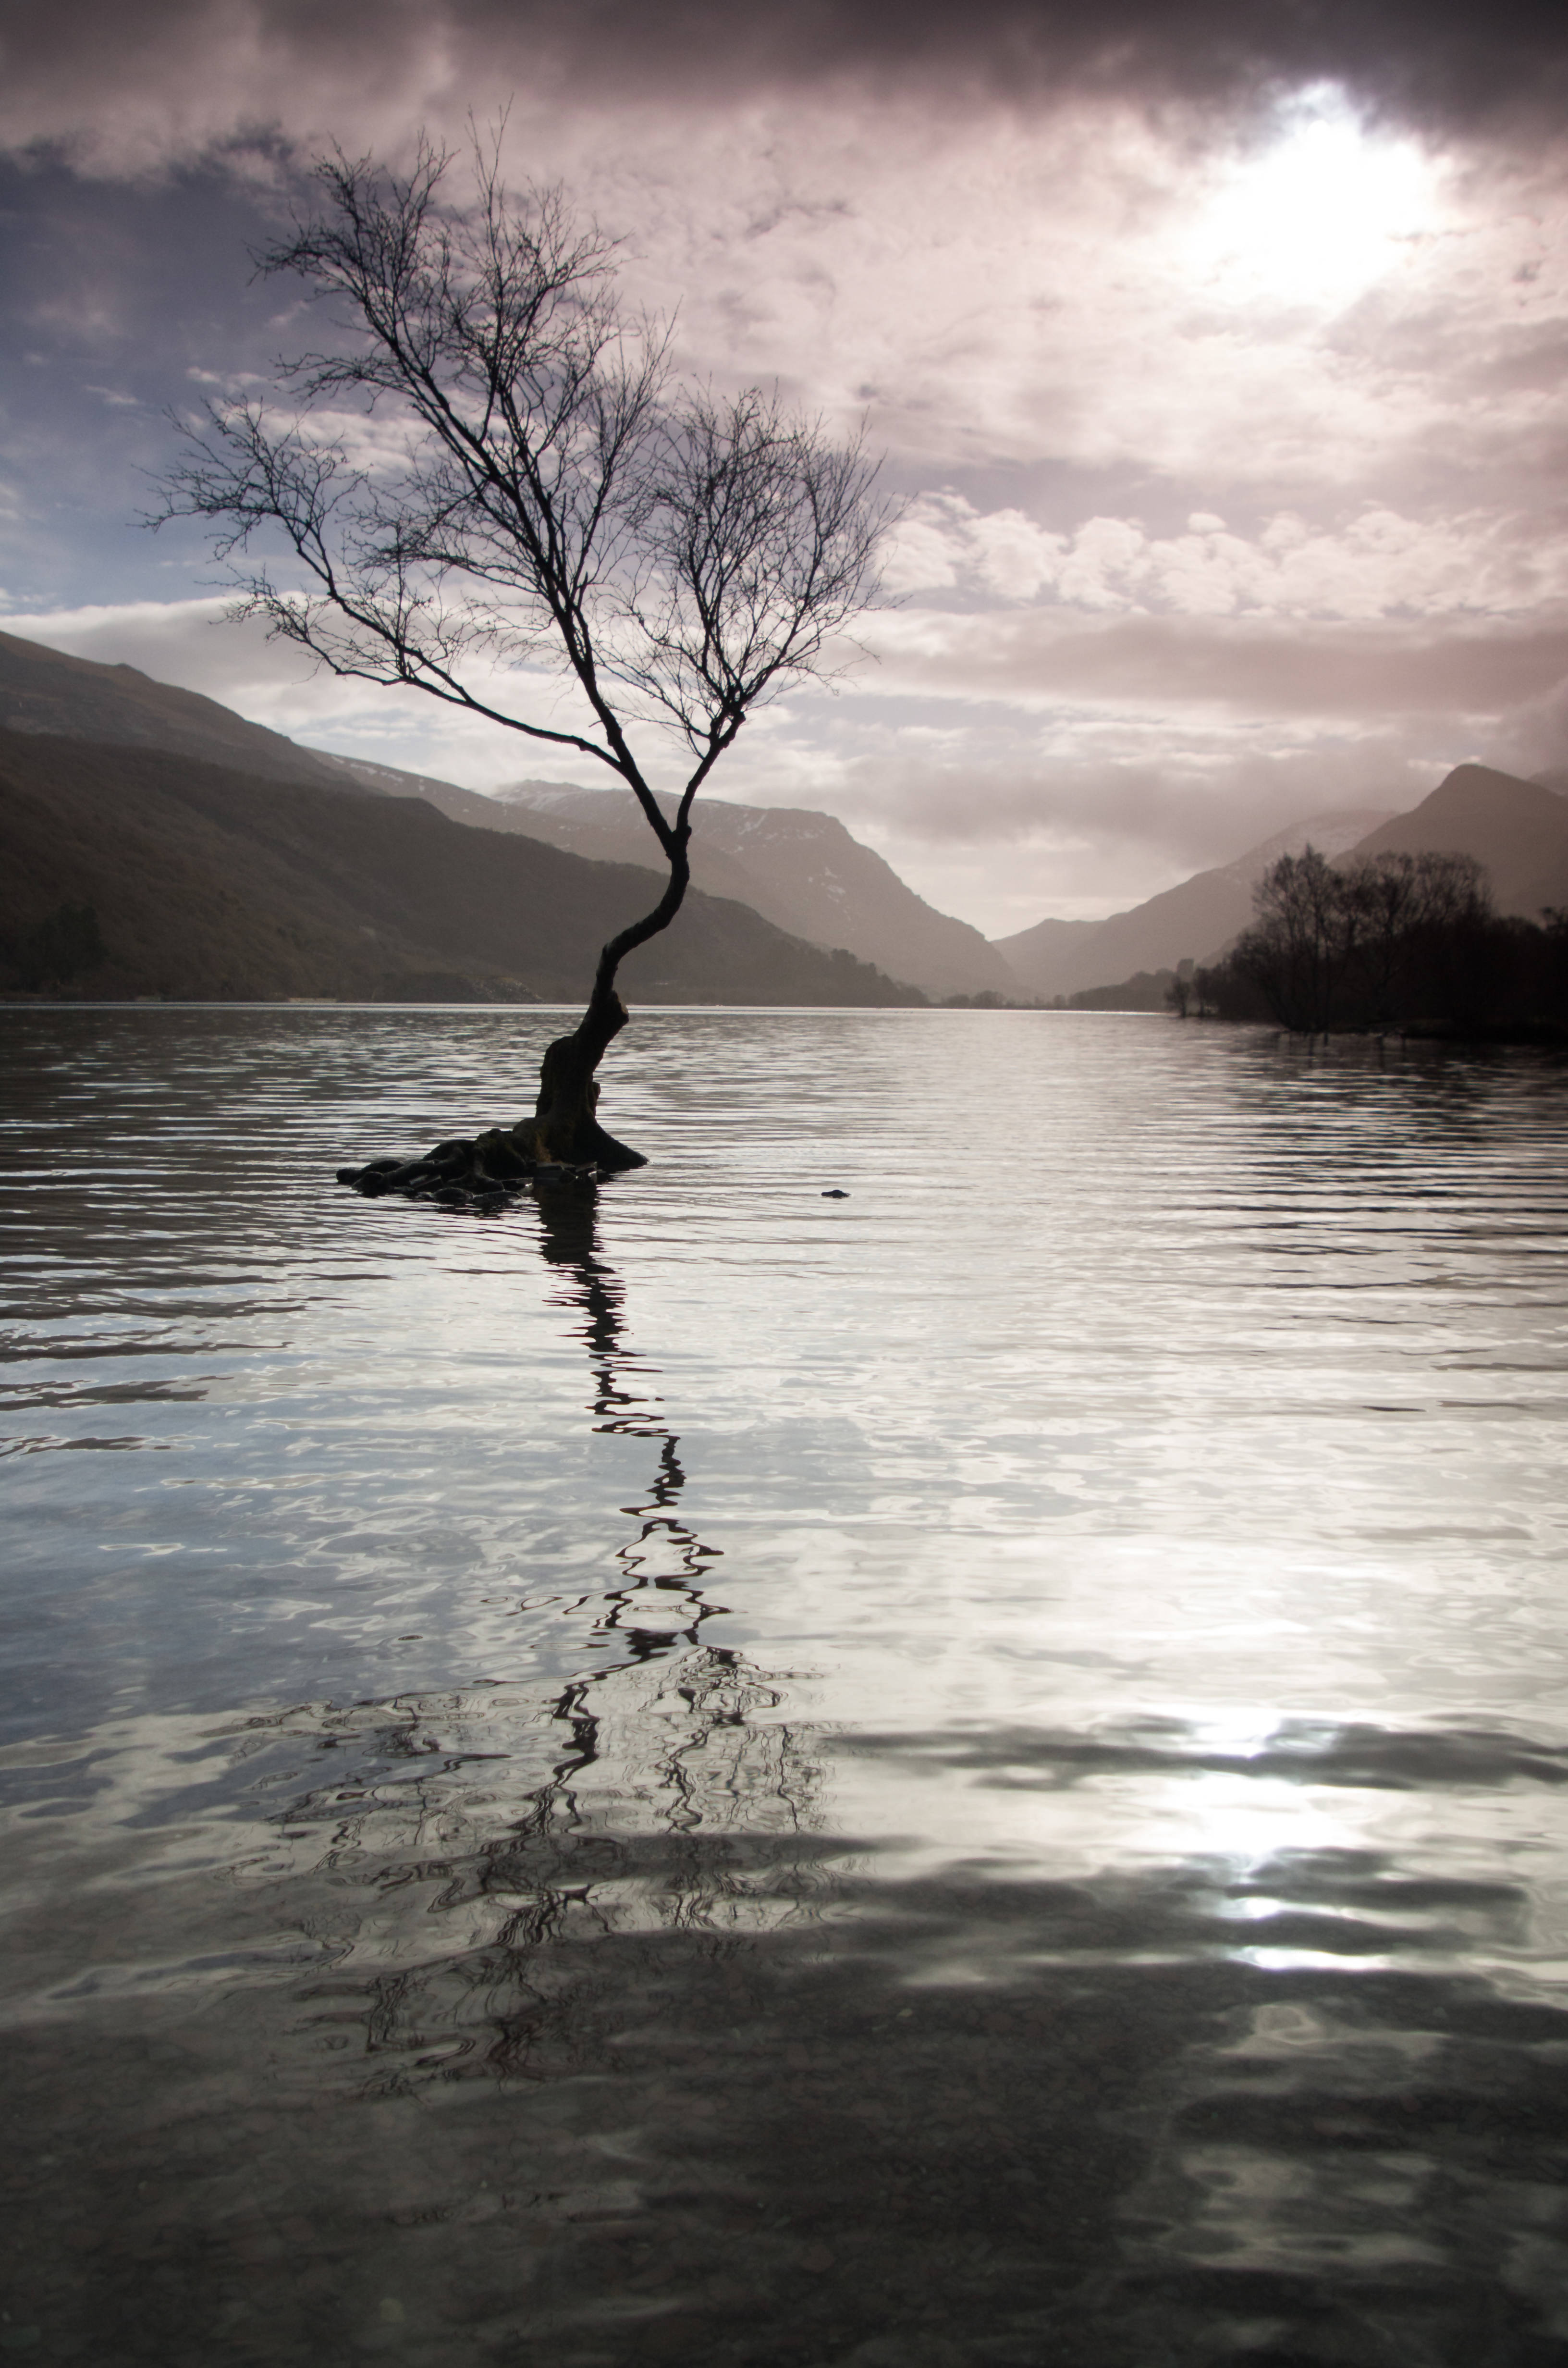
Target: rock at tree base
point(484, 1175)
point(562, 1142)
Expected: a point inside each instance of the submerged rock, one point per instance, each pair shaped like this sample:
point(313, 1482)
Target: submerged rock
point(486, 1174)
point(495, 1155)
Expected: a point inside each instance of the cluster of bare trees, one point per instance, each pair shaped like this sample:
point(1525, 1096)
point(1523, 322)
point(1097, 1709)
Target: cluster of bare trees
point(1390, 940)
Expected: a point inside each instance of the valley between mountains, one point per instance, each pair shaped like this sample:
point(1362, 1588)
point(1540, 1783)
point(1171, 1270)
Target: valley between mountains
point(154, 843)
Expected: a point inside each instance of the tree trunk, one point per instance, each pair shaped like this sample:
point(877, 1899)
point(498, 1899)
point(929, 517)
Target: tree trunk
point(565, 1125)
point(564, 1130)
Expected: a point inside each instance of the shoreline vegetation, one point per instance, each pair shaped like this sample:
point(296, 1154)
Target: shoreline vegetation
point(1400, 944)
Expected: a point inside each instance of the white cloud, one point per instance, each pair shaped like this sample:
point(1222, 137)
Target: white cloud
point(1222, 668)
point(995, 285)
point(1376, 564)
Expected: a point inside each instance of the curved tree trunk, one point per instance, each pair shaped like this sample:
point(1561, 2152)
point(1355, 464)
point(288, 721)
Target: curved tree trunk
point(565, 1125)
point(564, 1131)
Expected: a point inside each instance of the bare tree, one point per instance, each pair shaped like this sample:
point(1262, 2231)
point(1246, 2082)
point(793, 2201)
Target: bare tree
point(499, 464)
point(1304, 936)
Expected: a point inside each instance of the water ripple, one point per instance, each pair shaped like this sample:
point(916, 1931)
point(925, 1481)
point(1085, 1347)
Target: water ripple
point(968, 1773)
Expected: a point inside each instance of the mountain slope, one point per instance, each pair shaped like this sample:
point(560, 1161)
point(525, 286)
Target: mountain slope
point(1518, 830)
point(633, 843)
point(470, 806)
point(800, 869)
point(42, 690)
point(1192, 920)
point(206, 882)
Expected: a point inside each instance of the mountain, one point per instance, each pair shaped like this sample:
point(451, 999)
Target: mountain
point(1518, 830)
point(800, 869)
point(42, 690)
point(470, 806)
point(47, 696)
point(138, 871)
point(1192, 921)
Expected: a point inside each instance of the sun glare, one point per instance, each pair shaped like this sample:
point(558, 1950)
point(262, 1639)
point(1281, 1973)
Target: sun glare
point(1317, 217)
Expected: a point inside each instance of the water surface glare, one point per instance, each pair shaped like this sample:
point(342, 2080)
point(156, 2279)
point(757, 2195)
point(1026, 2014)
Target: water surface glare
point(970, 1772)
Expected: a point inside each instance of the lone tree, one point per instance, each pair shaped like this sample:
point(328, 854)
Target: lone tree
point(499, 464)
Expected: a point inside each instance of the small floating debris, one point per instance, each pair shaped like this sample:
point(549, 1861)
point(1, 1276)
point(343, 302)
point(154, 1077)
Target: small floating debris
point(834, 1192)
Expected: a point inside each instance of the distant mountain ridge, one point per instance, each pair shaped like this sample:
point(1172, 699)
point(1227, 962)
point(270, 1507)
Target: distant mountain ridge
point(44, 691)
point(140, 870)
point(800, 876)
point(1517, 830)
point(472, 806)
point(1192, 920)
point(802, 870)
point(510, 811)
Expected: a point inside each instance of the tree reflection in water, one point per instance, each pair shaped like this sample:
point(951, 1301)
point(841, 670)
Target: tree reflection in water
point(563, 2028)
point(569, 1240)
point(702, 1741)
point(663, 1791)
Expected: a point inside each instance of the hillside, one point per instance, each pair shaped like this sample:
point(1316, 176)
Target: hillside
point(130, 870)
point(633, 844)
point(1518, 830)
point(470, 806)
point(42, 690)
point(802, 870)
point(1191, 921)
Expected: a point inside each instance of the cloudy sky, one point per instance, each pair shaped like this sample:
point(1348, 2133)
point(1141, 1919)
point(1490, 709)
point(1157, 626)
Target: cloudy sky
point(1218, 350)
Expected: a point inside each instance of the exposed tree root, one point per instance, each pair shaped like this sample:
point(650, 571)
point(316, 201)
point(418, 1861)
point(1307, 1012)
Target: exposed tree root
point(462, 1175)
point(562, 1139)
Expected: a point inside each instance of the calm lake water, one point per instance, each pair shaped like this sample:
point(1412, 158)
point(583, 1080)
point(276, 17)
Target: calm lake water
point(974, 1772)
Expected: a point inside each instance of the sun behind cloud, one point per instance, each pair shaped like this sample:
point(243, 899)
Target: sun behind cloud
point(1326, 209)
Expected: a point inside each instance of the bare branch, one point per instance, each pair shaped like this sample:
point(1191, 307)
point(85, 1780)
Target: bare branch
point(491, 467)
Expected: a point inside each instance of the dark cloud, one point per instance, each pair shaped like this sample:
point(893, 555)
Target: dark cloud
point(1445, 59)
point(1441, 62)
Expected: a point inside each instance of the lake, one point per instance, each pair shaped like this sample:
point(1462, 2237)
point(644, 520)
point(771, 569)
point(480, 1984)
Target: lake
point(969, 1773)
